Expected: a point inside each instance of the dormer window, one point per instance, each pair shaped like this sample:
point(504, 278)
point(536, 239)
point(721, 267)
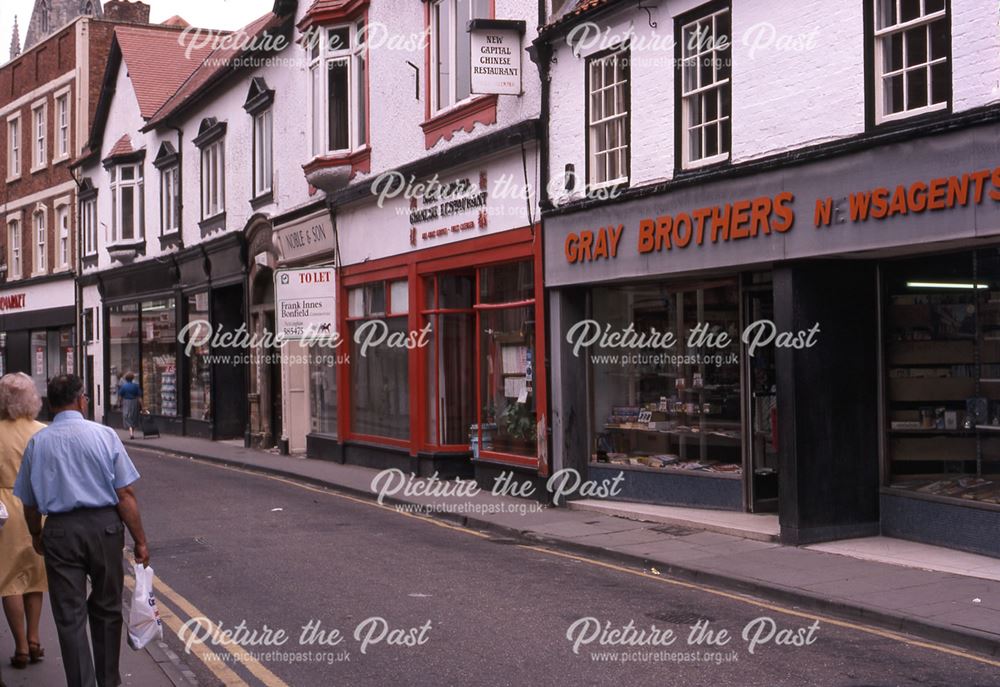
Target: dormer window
point(338, 88)
point(259, 106)
point(211, 141)
point(168, 162)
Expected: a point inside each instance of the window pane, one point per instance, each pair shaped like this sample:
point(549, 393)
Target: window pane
point(463, 58)
point(932, 6)
point(374, 298)
point(199, 371)
point(380, 386)
point(507, 283)
point(128, 173)
point(360, 81)
point(399, 297)
point(887, 13)
point(892, 52)
point(939, 39)
point(893, 94)
point(128, 212)
point(695, 144)
point(356, 302)
point(323, 388)
point(916, 46)
point(338, 93)
point(456, 291)
point(908, 10)
point(939, 83)
point(123, 346)
point(507, 339)
point(916, 88)
point(339, 38)
point(159, 357)
point(725, 136)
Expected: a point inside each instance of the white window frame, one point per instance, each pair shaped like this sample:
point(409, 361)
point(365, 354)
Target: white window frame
point(117, 186)
point(599, 159)
point(63, 144)
point(14, 149)
point(263, 152)
point(170, 200)
point(64, 247)
point(881, 38)
point(213, 179)
point(40, 240)
point(453, 58)
point(15, 248)
point(322, 54)
point(705, 50)
point(88, 225)
point(39, 136)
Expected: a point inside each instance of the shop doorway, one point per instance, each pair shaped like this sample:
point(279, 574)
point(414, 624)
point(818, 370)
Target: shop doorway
point(265, 367)
point(762, 429)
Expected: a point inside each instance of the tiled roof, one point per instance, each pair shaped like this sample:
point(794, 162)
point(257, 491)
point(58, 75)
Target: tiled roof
point(575, 8)
point(158, 63)
point(122, 147)
point(213, 63)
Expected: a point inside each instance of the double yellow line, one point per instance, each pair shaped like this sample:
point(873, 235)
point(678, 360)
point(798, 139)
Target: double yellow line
point(216, 663)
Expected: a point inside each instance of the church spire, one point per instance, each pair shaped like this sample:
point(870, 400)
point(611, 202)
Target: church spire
point(15, 41)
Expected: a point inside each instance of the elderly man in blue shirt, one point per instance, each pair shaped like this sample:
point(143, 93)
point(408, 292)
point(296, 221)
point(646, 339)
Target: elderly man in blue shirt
point(78, 474)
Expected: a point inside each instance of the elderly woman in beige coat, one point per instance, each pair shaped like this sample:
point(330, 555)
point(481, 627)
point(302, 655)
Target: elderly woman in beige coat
point(22, 571)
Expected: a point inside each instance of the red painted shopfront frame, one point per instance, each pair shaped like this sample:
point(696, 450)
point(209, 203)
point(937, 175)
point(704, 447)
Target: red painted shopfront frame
point(513, 245)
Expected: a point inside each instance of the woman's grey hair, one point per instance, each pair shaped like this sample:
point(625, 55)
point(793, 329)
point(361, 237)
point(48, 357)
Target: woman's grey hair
point(18, 397)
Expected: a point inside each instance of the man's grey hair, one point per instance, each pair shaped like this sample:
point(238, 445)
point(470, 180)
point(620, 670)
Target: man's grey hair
point(18, 397)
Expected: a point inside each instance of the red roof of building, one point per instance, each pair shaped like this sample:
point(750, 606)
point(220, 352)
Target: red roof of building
point(122, 147)
point(215, 62)
point(158, 62)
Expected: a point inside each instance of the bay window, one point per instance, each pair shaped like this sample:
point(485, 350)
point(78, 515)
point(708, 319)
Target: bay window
point(451, 56)
point(705, 68)
point(608, 119)
point(338, 85)
point(126, 203)
point(912, 57)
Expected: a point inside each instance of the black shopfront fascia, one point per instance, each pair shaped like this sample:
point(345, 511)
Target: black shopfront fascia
point(215, 268)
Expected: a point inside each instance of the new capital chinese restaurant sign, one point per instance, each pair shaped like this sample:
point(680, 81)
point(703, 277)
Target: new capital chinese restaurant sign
point(897, 197)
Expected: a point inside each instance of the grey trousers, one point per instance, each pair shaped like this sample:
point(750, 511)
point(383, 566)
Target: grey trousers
point(79, 545)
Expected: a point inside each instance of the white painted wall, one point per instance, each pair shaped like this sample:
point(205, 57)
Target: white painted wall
point(798, 79)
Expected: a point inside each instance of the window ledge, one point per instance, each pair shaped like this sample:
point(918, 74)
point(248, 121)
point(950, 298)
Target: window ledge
point(263, 199)
point(464, 117)
point(40, 168)
point(171, 239)
point(213, 223)
point(332, 172)
point(11, 179)
point(127, 251)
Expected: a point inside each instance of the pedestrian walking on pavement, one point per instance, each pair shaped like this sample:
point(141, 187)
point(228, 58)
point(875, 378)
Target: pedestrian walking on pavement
point(130, 398)
point(78, 474)
point(22, 570)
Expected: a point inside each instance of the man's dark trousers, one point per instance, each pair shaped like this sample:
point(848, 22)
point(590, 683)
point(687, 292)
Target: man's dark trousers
point(83, 544)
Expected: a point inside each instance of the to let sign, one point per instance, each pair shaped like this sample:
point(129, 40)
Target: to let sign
point(496, 56)
point(306, 303)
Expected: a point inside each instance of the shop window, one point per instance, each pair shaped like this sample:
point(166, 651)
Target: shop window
point(338, 87)
point(39, 118)
point(323, 390)
point(88, 225)
point(662, 408)
point(62, 221)
point(15, 250)
point(14, 147)
point(912, 60)
point(451, 358)
point(199, 370)
point(123, 347)
point(704, 70)
point(380, 385)
point(942, 357)
point(451, 47)
point(62, 126)
point(127, 203)
point(170, 200)
point(608, 119)
point(40, 230)
point(159, 357)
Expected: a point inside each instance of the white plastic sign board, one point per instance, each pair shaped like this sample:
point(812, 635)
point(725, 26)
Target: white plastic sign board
point(305, 303)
